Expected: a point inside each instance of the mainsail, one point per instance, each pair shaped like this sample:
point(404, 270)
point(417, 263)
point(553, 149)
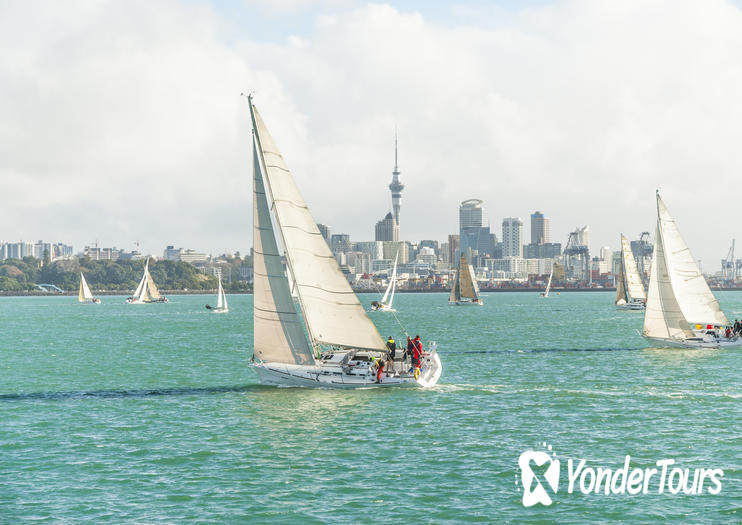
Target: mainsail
point(84, 294)
point(632, 281)
point(332, 312)
point(678, 293)
point(621, 297)
point(392, 285)
point(221, 301)
point(465, 284)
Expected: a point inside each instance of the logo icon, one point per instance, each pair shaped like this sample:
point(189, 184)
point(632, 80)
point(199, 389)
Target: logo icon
point(538, 471)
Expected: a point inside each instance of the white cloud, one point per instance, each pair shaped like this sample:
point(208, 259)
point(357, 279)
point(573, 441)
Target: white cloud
point(123, 121)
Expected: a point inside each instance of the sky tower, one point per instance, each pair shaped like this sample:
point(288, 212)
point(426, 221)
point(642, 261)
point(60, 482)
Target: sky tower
point(396, 187)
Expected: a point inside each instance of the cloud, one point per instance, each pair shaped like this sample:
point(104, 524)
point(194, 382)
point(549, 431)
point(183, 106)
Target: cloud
point(122, 122)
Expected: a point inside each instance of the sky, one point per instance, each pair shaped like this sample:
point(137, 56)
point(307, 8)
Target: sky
point(122, 122)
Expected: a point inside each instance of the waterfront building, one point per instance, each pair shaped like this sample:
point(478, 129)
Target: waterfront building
point(453, 248)
point(340, 242)
point(512, 237)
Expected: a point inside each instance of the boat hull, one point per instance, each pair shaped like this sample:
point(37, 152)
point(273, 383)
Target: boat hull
point(631, 306)
point(478, 302)
point(320, 376)
point(722, 342)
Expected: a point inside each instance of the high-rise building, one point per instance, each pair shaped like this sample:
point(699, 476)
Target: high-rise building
point(387, 229)
point(325, 231)
point(474, 238)
point(453, 248)
point(340, 243)
point(396, 187)
point(540, 229)
point(512, 237)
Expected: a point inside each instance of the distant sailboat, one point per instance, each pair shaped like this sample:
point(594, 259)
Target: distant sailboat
point(221, 301)
point(332, 343)
point(85, 295)
point(545, 293)
point(386, 302)
point(147, 291)
point(630, 294)
point(681, 310)
point(465, 290)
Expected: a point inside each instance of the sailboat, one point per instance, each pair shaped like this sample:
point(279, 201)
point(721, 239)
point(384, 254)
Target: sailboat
point(147, 291)
point(386, 301)
point(465, 290)
point(681, 310)
point(545, 293)
point(330, 342)
point(221, 301)
point(85, 295)
point(630, 294)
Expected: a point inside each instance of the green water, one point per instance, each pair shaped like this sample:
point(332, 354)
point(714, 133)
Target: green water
point(149, 414)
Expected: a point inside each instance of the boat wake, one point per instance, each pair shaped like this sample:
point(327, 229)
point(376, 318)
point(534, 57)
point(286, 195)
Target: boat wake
point(145, 392)
point(540, 350)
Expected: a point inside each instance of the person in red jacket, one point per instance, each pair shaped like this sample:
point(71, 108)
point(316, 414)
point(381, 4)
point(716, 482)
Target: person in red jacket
point(379, 369)
point(417, 351)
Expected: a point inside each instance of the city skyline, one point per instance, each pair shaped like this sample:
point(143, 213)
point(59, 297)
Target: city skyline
point(149, 140)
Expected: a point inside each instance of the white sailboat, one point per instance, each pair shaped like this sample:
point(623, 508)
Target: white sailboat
point(147, 291)
point(545, 293)
point(333, 343)
point(85, 295)
point(465, 290)
point(388, 299)
point(630, 294)
point(681, 310)
point(221, 300)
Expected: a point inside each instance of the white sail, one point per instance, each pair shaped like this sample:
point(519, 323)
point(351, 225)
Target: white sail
point(332, 312)
point(278, 332)
point(693, 295)
point(392, 285)
point(632, 280)
point(663, 318)
point(548, 284)
point(142, 282)
point(84, 293)
point(220, 295)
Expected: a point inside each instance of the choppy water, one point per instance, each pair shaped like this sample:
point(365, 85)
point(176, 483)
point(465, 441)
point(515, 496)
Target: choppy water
point(125, 414)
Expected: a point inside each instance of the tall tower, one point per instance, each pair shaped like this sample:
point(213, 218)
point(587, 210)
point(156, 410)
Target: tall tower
point(396, 187)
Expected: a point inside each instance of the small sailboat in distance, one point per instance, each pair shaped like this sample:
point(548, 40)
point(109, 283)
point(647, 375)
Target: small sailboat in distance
point(465, 290)
point(85, 295)
point(545, 293)
point(330, 341)
point(221, 301)
point(147, 291)
point(386, 301)
point(681, 310)
point(630, 294)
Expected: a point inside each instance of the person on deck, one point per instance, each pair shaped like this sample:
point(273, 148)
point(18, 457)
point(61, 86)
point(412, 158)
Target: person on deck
point(410, 348)
point(379, 369)
point(417, 352)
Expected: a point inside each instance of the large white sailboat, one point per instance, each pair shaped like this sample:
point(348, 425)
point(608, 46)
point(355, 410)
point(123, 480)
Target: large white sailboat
point(221, 300)
point(545, 293)
point(84, 295)
point(465, 290)
point(333, 343)
point(388, 299)
point(630, 294)
point(681, 310)
point(147, 291)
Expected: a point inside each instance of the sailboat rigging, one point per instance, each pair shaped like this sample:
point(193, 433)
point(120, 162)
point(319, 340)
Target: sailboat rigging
point(147, 291)
point(333, 343)
point(465, 290)
point(221, 300)
point(681, 310)
point(388, 299)
point(630, 293)
point(84, 295)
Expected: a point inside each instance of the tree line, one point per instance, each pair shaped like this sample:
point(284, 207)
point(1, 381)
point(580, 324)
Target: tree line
point(121, 275)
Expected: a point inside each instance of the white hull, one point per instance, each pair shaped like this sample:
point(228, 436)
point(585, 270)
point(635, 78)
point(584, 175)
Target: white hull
point(220, 310)
point(631, 306)
point(478, 302)
point(383, 308)
point(722, 342)
point(130, 301)
point(332, 375)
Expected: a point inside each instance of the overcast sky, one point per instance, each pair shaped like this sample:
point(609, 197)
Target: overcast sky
point(122, 121)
